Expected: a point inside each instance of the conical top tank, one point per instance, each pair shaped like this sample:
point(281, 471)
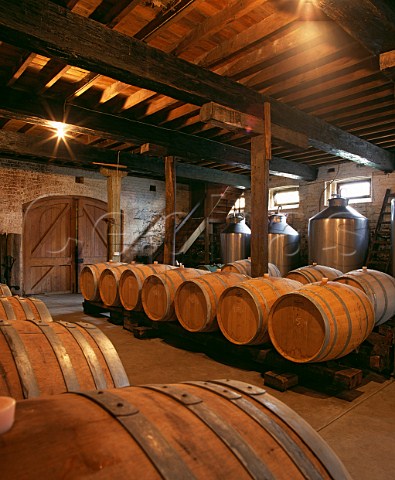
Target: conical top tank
point(283, 244)
point(235, 240)
point(338, 236)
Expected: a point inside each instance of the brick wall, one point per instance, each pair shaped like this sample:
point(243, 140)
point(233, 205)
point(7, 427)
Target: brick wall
point(312, 196)
point(143, 207)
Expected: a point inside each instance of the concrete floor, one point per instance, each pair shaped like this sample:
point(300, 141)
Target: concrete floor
point(361, 428)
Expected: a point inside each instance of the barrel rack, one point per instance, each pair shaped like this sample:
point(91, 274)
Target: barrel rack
point(375, 356)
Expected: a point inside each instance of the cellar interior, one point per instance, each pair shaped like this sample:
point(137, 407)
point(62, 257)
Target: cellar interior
point(197, 239)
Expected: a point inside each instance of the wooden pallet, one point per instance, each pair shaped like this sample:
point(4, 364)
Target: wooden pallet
point(375, 354)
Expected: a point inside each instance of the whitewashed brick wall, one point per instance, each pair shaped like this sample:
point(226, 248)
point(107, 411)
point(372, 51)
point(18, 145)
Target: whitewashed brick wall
point(23, 182)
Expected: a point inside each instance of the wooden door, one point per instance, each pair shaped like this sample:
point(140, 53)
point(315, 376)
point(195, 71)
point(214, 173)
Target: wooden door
point(61, 234)
point(91, 232)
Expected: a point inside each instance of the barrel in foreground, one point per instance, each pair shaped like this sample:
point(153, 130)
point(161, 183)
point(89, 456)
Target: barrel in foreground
point(194, 430)
point(40, 358)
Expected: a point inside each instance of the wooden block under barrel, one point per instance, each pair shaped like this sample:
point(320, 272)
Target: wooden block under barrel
point(349, 378)
point(280, 381)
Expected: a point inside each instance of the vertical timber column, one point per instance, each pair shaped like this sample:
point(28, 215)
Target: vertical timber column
point(114, 179)
point(170, 220)
point(261, 153)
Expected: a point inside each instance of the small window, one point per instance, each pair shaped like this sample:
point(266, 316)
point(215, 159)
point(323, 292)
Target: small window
point(283, 198)
point(239, 205)
point(357, 190)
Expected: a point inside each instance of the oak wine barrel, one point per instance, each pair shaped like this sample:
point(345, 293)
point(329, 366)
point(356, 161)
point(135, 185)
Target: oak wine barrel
point(244, 266)
point(131, 283)
point(159, 290)
point(313, 273)
point(192, 430)
point(196, 300)
point(320, 322)
point(109, 284)
point(5, 290)
point(39, 358)
point(21, 308)
point(243, 309)
point(89, 279)
point(378, 286)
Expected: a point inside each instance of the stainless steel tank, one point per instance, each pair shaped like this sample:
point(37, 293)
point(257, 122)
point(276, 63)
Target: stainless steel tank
point(338, 236)
point(235, 240)
point(393, 236)
point(283, 244)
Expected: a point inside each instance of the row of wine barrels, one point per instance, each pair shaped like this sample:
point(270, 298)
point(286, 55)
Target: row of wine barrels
point(313, 273)
point(196, 300)
point(5, 290)
point(20, 308)
point(159, 290)
point(89, 279)
point(40, 358)
point(378, 286)
point(243, 309)
point(320, 322)
point(131, 284)
point(194, 430)
point(244, 266)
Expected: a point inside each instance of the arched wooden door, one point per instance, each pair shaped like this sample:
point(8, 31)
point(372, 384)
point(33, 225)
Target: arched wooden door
point(60, 235)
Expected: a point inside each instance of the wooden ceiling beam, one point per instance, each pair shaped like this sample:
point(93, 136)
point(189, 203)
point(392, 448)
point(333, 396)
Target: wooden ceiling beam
point(370, 22)
point(111, 12)
point(175, 13)
point(18, 145)
point(25, 61)
point(50, 29)
point(81, 120)
point(229, 13)
point(387, 63)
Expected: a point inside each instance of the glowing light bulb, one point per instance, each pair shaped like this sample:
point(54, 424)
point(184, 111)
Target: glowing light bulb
point(60, 129)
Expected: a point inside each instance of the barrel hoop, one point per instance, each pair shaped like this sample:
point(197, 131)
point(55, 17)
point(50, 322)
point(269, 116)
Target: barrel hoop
point(205, 281)
point(258, 293)
point(42, 309)
point(218, 277)
point(208, 303)
point(9, 311)
point(94, 268)
point(165, 284)
point(109, 353)
point(158, 450)
point(358, 293)
point(279, 435)
point(310, 273)
point(63, 358)
point(259, 310)
point(384, 293)
point(311, 438)
point(325, 318)
point(89, 354)
point(322, 352)
point(26, 308)
point(225, 432)
point(22, 361)
point(341, 301)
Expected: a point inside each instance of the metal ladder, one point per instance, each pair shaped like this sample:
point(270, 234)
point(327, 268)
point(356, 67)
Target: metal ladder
point(379, 255)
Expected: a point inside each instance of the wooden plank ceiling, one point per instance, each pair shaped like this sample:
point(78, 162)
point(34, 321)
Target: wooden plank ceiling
point(310, 55)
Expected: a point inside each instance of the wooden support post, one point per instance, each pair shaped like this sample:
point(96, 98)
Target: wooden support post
point(114, 179)
point(260, 158)
point(170, 220)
